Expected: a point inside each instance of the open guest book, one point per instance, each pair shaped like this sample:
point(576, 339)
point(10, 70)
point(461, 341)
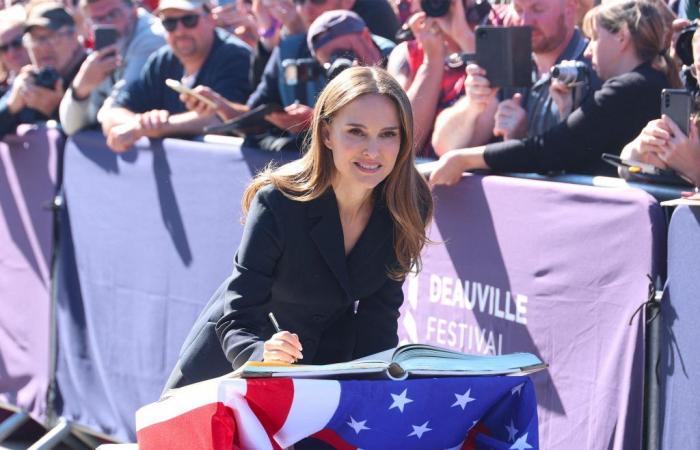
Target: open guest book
point(413, 360)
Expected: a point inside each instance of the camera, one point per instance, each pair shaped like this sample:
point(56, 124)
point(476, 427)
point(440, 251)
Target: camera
point(340, 60)
point(571, 73)
point(45, 77)
point(684, 44)
point(474, 15)
point(300, 70)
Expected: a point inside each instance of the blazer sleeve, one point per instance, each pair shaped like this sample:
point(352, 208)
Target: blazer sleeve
point(377, 319)
point(244, 326)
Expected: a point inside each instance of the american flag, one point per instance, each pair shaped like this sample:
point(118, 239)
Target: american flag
point(275, 413)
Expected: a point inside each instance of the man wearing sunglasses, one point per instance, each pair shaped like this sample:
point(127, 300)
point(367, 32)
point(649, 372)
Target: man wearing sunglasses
point(56, 53)
point(139, 34)
point(197, 54)
point(13, 55)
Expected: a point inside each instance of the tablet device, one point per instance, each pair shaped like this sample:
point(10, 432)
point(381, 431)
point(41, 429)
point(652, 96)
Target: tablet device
point(250, 122)
point(506, 55)
point(182, 89)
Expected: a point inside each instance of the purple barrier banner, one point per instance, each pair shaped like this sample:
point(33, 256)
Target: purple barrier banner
point(680, 362)
point(28, 167)
point(145, 240)
point(549, 268)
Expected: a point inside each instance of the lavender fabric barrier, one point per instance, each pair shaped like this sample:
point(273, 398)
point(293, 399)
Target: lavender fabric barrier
point(680, 362)
point(549, 268)
point(28, 166)
point(146, 239)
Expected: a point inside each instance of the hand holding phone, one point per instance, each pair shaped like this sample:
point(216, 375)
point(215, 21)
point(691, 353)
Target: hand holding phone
point(677, 104)
point(105, 35)
point(182, 89)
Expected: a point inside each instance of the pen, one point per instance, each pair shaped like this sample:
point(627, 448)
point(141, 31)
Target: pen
point(274, 322)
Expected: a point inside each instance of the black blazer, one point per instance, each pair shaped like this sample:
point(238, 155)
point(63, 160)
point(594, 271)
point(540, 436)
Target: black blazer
point(291, 261)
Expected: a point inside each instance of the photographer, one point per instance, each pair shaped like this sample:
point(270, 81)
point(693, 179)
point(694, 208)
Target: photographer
point(662, 143)
point(429, 68)
point(138, 35)
point(628, 48)
point(336, 39)
point(55, 52)
point(485, 112)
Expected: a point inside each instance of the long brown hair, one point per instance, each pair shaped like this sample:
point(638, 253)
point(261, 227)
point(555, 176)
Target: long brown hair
point(405, 191)
point(649, 25)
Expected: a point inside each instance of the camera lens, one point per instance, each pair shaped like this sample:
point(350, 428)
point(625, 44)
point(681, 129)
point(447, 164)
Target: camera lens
point(435, 8)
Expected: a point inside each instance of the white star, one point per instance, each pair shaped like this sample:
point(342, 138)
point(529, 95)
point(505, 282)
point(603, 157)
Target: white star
point(517, 389)
point(357, 426)
point(419, 430)
point(463, 399)
point(400, 400)
point(521, 444)
point(511, 431)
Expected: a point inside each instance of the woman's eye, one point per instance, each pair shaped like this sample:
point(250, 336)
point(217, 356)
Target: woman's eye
point(389, 134)
point(356, 132)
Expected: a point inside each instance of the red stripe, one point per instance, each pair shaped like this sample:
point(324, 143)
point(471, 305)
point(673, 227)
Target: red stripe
point(208, 427)
point(270, 400)
point(470, 442)
point(331, 437)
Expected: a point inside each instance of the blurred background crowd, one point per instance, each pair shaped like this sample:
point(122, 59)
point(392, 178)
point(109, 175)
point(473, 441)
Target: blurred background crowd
point(597, 75)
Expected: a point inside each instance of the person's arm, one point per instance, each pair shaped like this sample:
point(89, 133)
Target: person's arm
point(245, 326)
point(470, 121)
point(377, 320)
point(8, 120)
point(422, 89)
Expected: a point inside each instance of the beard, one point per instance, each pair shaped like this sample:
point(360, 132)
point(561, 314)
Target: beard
point(551, 42)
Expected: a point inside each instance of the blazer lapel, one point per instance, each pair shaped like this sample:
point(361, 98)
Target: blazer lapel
point(327, 234)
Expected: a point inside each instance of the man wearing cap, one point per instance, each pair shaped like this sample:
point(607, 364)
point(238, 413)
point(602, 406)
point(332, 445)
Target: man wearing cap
point(197, 54)
point(139, 35)
point(56, 53)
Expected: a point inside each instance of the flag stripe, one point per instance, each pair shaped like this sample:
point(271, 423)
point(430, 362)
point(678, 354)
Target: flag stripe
point(190, 430)
point(251, 434)
point(270, 400)
point(314, 404)
point(331, 437)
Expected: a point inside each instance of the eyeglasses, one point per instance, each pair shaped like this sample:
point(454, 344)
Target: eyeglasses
point(36, 41)
point(14, 44)
point(315, 2)
point(188, 21)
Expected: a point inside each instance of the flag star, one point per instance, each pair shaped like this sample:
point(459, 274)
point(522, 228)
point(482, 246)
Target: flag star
point(463, 399)
point(419, 430)
point(512, 431)
point(357, 426)
point(517, 389)
point(521, 444)
point(400, 400)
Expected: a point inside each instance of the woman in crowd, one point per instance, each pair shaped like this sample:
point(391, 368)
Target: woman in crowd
point(629, 52)
point(13, 55)
point(328, 240)
point(663, 144)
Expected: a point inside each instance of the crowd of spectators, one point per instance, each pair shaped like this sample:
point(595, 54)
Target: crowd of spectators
point(232, 57)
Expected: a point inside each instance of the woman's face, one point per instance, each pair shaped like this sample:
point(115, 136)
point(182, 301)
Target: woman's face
point(364, 138)
point(13, 54)
point(605, 51)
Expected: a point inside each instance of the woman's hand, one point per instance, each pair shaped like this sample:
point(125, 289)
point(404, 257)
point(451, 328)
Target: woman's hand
point(448, 170)
point(682, 153)
point(283, 346)
point(562, 96)
point(652, 141)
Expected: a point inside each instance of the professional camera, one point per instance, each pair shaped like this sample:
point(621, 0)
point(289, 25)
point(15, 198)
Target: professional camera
point(474, 14)
point(340, 60)
point(300, 70)
point(571, 73)
point(684, 44)
point(45, 77)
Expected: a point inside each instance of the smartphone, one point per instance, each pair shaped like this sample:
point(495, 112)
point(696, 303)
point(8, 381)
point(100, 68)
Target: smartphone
point(506, 55)
point(105, 35)
point(248, 123)
point(182, 89)
point(677, 104)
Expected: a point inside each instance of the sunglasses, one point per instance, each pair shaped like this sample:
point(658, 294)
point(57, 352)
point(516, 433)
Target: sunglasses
point(188, 21)
point(315, 2)
point(13, 44)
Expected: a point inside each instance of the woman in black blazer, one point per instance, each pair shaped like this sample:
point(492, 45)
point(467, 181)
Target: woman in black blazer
point(629, 51)
point(328, 240)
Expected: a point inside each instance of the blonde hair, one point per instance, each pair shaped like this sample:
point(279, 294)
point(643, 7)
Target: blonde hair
point(405, 191)
point(649, 25)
